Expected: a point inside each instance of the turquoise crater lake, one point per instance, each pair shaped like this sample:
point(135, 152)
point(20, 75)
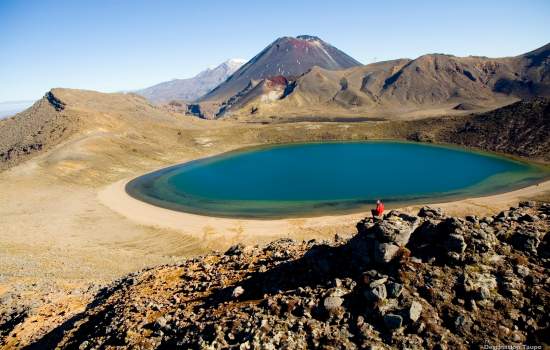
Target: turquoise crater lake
point(328, 178)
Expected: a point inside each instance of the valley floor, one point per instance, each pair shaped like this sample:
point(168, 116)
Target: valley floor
point(67, 226)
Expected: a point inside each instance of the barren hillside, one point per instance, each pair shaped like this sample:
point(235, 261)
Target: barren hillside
point(126, 127)
point(430, 85)
point(414, 281)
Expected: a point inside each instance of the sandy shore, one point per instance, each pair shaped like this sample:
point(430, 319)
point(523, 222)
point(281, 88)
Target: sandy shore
point(209, 228)
point(213, 229)
point(489, 205)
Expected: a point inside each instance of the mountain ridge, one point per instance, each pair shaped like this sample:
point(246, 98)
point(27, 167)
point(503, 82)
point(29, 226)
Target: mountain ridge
point(193, 88)
point(444, 84)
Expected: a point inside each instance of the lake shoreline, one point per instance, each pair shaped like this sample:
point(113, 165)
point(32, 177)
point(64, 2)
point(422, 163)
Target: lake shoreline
point(116, 198)
point(148, 187)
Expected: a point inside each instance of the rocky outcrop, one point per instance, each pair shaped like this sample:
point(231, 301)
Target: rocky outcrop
point(54, 101)
point(40, 127)
point(384, 239)
point(449, 283)
point(522, 128)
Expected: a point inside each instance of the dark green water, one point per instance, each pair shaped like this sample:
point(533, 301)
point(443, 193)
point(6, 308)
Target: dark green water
point(324, 178)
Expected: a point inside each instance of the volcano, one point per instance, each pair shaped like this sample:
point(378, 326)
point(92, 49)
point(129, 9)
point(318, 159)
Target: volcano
point(288, 57)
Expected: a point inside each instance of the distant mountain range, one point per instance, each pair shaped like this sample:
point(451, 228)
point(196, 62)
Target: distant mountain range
point(191, 89)
point(305, 76)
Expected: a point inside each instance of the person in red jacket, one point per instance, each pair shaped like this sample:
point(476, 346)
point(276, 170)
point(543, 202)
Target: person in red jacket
point(379, 210)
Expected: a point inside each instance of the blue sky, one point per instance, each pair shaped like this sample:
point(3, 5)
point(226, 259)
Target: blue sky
point(122, 45)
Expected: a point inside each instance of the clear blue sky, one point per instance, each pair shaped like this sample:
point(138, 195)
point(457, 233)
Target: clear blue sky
point(128, 44)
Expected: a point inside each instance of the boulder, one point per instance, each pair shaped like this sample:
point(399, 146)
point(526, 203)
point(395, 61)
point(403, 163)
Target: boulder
point(332, 304)
point(525, 240)
point(393, 321)
point(428, 232)
point(236, 249)
point(479, 285)
point(388, 306)
point(483, 293)
point(429, 212)
point(160, 323)
point(377, 282)
point(527, 204)
point(522, 271)
point(455, 243)
point(396, 229)
point(453, 257)
point(237, 292)
point(384, 252)
point(528, 218)
point(394, 289)
point(452, 225)
point(336, 292)
point(376, 294)
point(360, 249)
point(415, 311)
point(364, 225)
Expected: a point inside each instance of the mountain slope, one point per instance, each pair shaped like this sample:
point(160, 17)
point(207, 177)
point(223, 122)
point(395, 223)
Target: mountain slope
point(532, 77)
point(192, 88)
point(522, 129)
point(349, 293)
point(286, 56)
point(94, 119)
point(39, 127)
point(433, 84)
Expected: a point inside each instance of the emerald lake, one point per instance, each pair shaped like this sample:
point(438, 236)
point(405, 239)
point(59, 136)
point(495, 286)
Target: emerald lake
point(313, 179)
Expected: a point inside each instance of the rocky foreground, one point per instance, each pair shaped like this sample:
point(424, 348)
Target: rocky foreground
point(424, 281)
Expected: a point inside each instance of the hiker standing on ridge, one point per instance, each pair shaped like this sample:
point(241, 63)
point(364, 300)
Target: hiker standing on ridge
point(377, 213)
